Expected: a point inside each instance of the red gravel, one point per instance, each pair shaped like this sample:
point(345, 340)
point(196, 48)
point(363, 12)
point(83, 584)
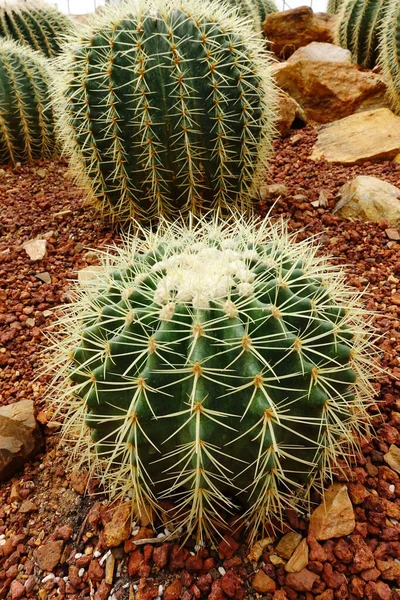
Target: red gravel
point(41, 202)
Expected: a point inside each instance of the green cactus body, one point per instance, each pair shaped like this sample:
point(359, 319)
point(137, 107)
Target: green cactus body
point(26, 120)
point(334, 6)
point(358, 29)
point(256, 10)
point(35, 24)
point(214, 361)
point(167, 109)
point(389, 52)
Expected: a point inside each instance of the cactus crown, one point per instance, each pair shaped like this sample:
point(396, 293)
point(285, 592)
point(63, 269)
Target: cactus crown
point(168, 107)
point(26, 119)
point(389, 51)
point(34, 23)
point(212, 361)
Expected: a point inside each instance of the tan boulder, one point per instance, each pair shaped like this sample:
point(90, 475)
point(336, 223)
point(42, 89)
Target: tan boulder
point(334, 517)
point(328, 90)
point(370, 199)
point(288, 111)
point(290, 29)
point(321, 52)
point(368, 136)
point(20, 437)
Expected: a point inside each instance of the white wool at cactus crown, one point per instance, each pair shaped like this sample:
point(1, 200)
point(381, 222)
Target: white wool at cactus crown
point(77, 7)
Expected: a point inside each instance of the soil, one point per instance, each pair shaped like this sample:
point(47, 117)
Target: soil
point(45, 514)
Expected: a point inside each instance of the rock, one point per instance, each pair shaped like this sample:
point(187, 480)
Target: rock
point(274, 190)
point(279, 595)
point(302, 581)
point(117, 524)
point(41, 172)
point(377, 591)
point(233, 586)
point(289, 111)
point(263, 583)
point(45, 277)
point(288, 544)
point(299, 558)
point(20, 436)
point(173, 591)
point(88, 273)
point(258, 548)
point(227, 547)
point(334, 517)
point(369, 199)
point(17, 590)
point(288, 30)
point(27, 507)
point(328, 91)
point(362, 555)
point(35, 249)
point(276, 560)
point(368, 136)
point(389, 568)
point(49, 555)
point(392, 458)
point(392, 234)
point(321, 52)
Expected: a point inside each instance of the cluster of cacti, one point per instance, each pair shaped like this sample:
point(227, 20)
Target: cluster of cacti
point(34, 23)
point(359, 26)
point(256, 10)
point(389, 51)
point(26, 118)
point(167, 108)
point(334, 6)
point(216, 364)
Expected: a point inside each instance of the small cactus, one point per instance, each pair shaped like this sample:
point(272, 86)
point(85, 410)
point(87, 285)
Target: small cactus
point(34, 23)
point(216, 364)
point(358, 29)
point(167, 108)
point(26, 119)
point(389, 52)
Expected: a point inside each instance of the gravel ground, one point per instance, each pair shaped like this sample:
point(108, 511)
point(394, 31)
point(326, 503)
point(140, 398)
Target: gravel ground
point(53, 538)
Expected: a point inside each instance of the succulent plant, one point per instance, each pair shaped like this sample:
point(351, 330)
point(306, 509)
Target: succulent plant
point(216, 363)
point(26, 119)
point(359, 25)
point(34, 23)
point(334, 6)
point(389, 51)
point(167, 108)
point(256, 10)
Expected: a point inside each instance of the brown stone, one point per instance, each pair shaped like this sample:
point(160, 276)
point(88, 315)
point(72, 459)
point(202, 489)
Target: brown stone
point(227, 547)
point(299, 558)
point(369, 199)
point(173, 591)
point(48, 556)
point(389, 568)
point(17, 590)
point(263, 583)
point(326, 595)
point(117, 523)
point(160, 555)
point(362, 555)
point(288, 544)
point(135, 563)
point(372, 135)
point(20, 436)
point(27, 507)
point(232, 586)
point(280, 595)
point(258, 548)
point(95, 571)
point(288, 30)
point(377, 591)
point(357, 491)
point(392, 458)
point(289, 111)
point(334, 517)
point(302, 581)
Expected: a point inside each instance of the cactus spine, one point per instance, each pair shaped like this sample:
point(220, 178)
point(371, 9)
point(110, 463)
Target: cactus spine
point(26, 120)
point(359, 24)
point(212, 361)
point(167, 108)
point(389, 52)
point(35, 24)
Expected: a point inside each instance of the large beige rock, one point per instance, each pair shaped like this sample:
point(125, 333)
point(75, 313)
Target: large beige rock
point(368, 136)
point(321, 52)
point(290, 29)
point(329, 90)
point(20, 437)
point(288, 112)
point(334, 517)
point(370, 199)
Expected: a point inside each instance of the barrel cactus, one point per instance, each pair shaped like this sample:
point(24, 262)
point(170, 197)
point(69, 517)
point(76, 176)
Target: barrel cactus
point(34, 23)
point(359, 25)
point(26, 119)
point(389, 55)
point(167, 108)
point(334, 6)
point(216, 363)
point(256, 10)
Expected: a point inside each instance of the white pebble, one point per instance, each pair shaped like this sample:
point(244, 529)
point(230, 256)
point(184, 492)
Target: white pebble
point(2, 542)
point(97, 553)
point(135, 530)
point(221, 570)
point(167, 531)
point(81, 572)
point(160, 590)
point(66, 578)
point(161, 535)
point(135, 587)
point(392, 488)
point(78, 555)
point(48, 577)
point(104, 558)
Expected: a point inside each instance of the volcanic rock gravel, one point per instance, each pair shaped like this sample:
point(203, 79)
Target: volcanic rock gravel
point(52, 541)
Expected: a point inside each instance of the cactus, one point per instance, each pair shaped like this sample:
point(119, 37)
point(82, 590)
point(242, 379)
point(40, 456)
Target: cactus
point(334, 6)
point(216, 364)
point(26, 119)
point(167, 108)
point(389, 52)
point(256, 10)
point(35, 24)
point(359, 24)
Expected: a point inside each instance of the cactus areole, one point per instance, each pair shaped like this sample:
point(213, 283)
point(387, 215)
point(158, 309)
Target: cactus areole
point(167, 108)
point(218, 365)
